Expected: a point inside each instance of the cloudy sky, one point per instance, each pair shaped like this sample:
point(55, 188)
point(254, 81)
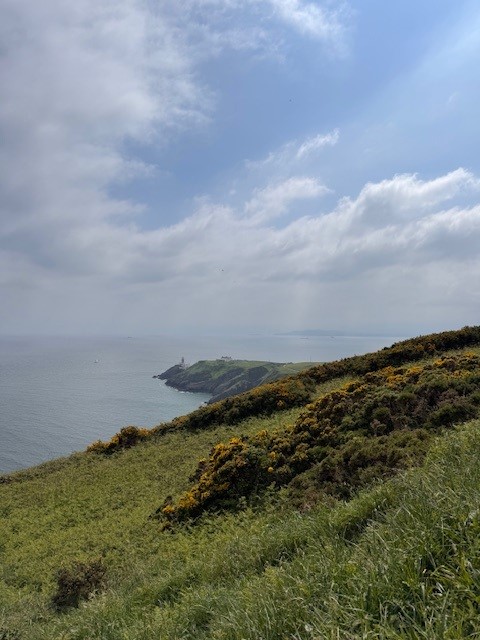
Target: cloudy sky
point(243, 165)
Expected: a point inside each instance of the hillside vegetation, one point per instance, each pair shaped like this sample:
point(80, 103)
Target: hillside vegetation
point(342, 502)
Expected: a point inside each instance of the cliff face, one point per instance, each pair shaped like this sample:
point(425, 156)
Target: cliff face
point(222, 378)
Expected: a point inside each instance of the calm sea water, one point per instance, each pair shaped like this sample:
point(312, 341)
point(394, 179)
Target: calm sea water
point(57, 395)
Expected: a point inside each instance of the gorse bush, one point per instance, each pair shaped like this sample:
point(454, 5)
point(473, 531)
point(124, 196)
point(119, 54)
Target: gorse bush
point(126, 438)
point(264, 400)
point(367, 430)
point(399, 353)
point(294, 391)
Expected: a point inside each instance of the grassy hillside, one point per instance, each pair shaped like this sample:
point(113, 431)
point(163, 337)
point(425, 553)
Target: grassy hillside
point(226, 377)
point(348, 542)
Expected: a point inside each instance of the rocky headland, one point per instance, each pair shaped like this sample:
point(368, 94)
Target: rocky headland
point(226, 377)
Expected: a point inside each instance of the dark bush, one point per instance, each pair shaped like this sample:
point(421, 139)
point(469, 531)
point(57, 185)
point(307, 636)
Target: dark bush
point(9, 634)
point(78, 583)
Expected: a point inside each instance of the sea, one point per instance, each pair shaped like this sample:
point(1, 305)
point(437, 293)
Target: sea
point(59, 394)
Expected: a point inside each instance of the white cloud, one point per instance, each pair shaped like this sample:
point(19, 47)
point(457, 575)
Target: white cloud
point(219, 257)
point(292, 153)
point(309, 18)
point(406, 196)
point(259, 25)
point(310, 145)
point(274, 200)
point(81, 79)
point(220, 266)
point(78, 79)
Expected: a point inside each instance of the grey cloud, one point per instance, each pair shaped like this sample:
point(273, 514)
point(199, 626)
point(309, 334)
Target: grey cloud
point(274, 200)
point(453, 234)
point(339, 245)
point(77, 80)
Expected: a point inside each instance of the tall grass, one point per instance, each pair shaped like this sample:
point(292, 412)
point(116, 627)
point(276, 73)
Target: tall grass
point(401, 560)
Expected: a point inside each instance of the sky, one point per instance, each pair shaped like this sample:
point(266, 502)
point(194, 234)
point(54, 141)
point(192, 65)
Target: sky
point(239, 166)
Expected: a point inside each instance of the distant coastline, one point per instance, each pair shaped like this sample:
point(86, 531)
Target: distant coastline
point(325, 333)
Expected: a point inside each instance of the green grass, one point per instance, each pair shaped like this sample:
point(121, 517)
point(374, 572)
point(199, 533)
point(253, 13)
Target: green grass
point(290, 369)
point(88, 505)
point(58, 502)
point(216, 368)
point(401, 559)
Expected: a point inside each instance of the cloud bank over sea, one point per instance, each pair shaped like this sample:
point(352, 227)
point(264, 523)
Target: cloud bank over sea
point(243, 165)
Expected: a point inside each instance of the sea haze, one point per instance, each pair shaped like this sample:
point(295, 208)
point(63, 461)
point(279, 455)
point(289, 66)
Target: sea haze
point(57, 395)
